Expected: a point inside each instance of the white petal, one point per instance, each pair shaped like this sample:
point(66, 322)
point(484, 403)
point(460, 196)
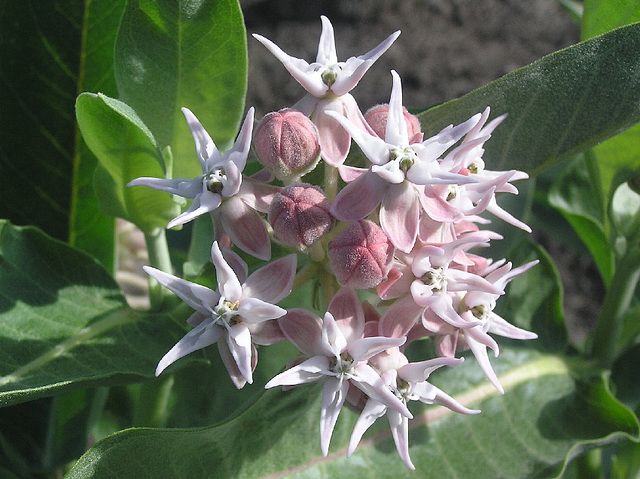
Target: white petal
point(187, 188)
point(205, 147)
point(195, 295)
point(400, 431)
point(327, 46)
point(333, 341)
point(309, 371)
point(239, 342)
point(334, 394)
point(228, 284)
point(372, 384)
point(372, 411)
point(205, 202)
point(200, 337)
point(254, 310)
point(396, 131)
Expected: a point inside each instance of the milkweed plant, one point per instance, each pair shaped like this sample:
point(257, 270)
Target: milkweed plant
point(333, 289)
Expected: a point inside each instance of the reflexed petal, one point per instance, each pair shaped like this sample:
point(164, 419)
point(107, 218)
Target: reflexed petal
point(418, 372)
point(240, 150)
point(309, 371)
point(205, 202)
point(266, 333)
point(372, 411)
point(400, 215)
point(365, 348)
point(372, 384)
point(480, 352)
point(359, 198)
point(188, 188)
point(205, 147)
point(246, 228)
point(193, 294)
point(327, 45)
point(429, 394)
point(228, 284)
point(334, 393)
point(240, 346)
point(503, 328)
point(347, 311)
point(333, 341)
point(357, 67)
point(506, 216)
point(334, 140)
point(396, 130)
point(374, 148)
point(299, 69)
point(254, 310)
point(238, 266)
point(272, 282)
point(304, 330)
point(200, 337)
point(256, 194)
point(400, 431)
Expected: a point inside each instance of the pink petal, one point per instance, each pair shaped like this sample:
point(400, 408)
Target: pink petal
point(304, 330)
point(272, 282)
point(359, 198)
point(266, 333)
point(348, 313)
point(257, 195)
point(399, 318)
point(334, 140)
point(400, 214)
point(246, 228)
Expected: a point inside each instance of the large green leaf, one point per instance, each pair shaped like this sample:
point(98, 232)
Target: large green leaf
point(126, 150)
point(544, 419)
point(560, 105)
point(38, 83)
point(64, 323)
point(171, 54)
point(600, 16)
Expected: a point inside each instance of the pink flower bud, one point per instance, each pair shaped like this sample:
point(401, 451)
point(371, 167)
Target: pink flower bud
point(376, 117)
point(360, 256)
point(286, 142)
point(299, 215)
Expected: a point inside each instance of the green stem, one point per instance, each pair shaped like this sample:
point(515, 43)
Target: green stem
point(330, 181)
point(617, 300)
point(158, 258)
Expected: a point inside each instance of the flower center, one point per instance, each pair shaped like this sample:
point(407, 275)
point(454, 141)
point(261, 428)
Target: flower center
point(330, 74)
point(225, 313)
point(215, 180)
point(342, 365)
point(435, 278)
point(406, 157)
point(452, 192)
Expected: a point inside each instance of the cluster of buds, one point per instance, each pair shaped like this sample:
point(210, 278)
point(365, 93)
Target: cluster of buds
point(402, 227)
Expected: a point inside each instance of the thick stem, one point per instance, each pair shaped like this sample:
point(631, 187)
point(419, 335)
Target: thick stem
point(617, 301)
point(330, 181)
point(158, 258)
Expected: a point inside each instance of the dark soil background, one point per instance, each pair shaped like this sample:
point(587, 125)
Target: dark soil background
point(447, 48)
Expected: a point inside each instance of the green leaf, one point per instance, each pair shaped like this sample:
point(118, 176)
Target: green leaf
point(172, 54)
point(89, 228)
point(64, 323)
point(574, 194)
point(126, 150)
point(600, 16)
point(38, 84)
point(543, 420)
point(558, 106)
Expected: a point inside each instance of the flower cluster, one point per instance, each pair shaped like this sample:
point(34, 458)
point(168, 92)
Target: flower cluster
point(403, 226)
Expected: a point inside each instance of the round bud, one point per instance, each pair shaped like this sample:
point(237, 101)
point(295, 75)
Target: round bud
point(286, 142)
point(299, 215)
point(361, 255)
point(376, 117)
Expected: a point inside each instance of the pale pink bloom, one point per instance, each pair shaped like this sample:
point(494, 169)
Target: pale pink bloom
point(328, 83)
point(234, 315)
point(222, 191)
point(338, 356)
point(409, 382)
point(398, 172)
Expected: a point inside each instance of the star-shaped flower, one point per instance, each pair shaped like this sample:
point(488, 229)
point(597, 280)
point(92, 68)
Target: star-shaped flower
point(232, 314)
point(338, 357)
point(328, 83)
point(221, 190)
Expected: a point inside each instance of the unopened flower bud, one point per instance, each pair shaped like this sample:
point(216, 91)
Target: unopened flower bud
point(360, 256)
point(376, 117)
point(286, 142)
point(299, 215)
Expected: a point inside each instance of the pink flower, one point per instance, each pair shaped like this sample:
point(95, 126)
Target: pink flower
point(328, 83)
point(338, 357)
point(232, 200)
point(398, 172)
point(233, 313)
